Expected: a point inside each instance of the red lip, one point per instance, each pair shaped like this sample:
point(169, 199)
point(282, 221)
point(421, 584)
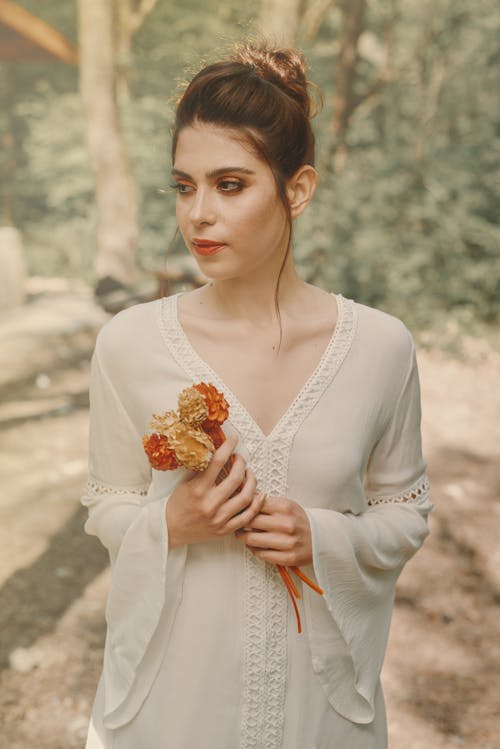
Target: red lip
point(206, 246)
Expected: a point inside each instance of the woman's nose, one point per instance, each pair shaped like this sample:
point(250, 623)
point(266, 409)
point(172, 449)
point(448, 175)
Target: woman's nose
point(202, 208)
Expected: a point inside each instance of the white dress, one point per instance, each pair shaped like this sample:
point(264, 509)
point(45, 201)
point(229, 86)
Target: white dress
point(202, 647)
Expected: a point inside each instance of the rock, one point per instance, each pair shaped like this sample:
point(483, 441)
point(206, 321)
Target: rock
point(42, 381)
point(78, 727)
point(12, 268)
point(24, 660)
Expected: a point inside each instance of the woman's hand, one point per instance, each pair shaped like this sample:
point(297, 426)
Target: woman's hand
point(280, 533)
point(199, 510)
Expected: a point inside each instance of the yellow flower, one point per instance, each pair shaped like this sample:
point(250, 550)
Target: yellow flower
point(161, 423)
point(193, 407)
point(193, 448)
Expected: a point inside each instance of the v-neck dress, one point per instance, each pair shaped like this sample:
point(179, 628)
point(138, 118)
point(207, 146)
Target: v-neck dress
point(202, 648)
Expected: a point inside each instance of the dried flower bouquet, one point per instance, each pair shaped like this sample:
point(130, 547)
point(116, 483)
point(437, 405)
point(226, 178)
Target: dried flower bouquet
point(189, 437)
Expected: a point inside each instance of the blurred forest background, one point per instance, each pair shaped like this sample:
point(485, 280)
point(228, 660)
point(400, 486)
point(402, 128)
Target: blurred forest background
point(406, 218)
point(407, 214)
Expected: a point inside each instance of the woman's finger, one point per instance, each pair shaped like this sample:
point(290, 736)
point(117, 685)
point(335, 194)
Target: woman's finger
point(219, 459)
point(264, 522)
point(274, 505)
point(273, 556)
point(234, 481)
point(264, 540)
point(240, 501)
point(246, 516)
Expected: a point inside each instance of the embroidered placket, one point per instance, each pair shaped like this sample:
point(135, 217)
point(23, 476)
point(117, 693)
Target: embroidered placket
point(266, 604)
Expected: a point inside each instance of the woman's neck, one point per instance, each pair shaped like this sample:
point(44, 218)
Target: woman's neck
point(253, 299)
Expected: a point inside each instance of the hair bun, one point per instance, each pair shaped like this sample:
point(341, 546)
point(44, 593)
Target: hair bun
point(283, 66)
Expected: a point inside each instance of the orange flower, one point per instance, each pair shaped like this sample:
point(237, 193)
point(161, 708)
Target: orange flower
point(160, 454)
point(218, 407)
point(215, 432)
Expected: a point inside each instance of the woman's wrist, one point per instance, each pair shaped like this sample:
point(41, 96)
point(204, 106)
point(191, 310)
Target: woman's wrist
point(173, 538)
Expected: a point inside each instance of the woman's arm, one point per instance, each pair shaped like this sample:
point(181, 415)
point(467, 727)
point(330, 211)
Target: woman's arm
point(119, 473)
point(146, 579)
point(283, 532)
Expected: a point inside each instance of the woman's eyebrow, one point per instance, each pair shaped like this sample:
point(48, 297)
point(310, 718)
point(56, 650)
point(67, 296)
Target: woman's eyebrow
point(215, 172)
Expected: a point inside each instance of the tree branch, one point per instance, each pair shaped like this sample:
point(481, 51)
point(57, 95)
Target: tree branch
point(279, 20)
point(387, 72)
point(139, 13)
point(313, 18)
point(345, 100)
point(437, 79)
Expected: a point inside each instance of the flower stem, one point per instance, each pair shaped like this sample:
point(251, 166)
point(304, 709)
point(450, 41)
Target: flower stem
point(307, 580)
point(290, 581)
point(286, 579)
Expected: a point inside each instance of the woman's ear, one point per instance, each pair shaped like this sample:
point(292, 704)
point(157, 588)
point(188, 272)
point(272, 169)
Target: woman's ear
point(300, 188)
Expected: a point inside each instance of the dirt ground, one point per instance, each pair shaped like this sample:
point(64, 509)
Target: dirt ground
point(441, 675)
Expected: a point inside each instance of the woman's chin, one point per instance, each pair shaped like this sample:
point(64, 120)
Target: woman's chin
point(218, 274)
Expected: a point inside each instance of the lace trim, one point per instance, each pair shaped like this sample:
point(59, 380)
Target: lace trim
point(265, 638)
point(267, 607)
point(188, 360)
point(197, 369)
point(276, 613)
point(96, 488)
point(325, 372)
point(418, 493)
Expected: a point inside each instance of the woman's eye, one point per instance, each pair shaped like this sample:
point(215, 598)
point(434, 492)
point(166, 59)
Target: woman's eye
point(181, 187)
point(230, 185)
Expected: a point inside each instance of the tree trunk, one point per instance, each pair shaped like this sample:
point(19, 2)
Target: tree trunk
point(116, 193)
point(279, 20)
point(345, 98)
point(9, 144)
point(313, 17)
point(13, 269)
point(129, 15)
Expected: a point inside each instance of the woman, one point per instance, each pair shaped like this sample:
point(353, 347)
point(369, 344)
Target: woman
point(202, 649)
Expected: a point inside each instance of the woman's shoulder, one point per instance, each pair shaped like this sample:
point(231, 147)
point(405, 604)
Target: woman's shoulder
point(126, 332)
point(383, 332)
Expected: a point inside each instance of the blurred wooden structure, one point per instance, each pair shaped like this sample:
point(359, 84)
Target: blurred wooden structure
point(180, 271)
point(23, 37)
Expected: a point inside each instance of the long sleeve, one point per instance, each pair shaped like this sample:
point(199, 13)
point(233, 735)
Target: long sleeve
point(130, 522)
point(119, 475)
point(358, 558)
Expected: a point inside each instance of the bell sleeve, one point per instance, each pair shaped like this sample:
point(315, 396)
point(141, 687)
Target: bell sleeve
point(357, 559)
point(146, 578)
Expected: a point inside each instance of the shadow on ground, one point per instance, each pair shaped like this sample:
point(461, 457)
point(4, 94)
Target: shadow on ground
point(34, 598)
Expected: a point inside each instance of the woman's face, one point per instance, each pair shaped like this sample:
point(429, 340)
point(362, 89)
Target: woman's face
point(228, 208)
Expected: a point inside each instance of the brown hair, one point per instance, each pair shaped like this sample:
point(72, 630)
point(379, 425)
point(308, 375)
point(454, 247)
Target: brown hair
point(262, 92)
